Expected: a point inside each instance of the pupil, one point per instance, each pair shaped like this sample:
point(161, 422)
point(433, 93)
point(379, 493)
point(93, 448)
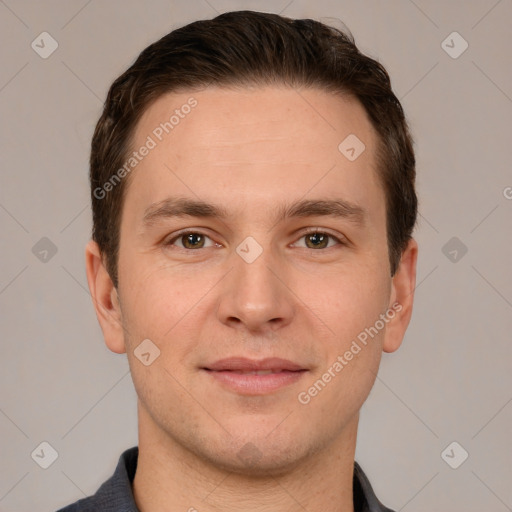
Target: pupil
point(317, 239)
point(193, 239)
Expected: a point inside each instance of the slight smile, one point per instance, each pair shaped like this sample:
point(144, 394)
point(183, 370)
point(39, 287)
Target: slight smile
point(252, 377)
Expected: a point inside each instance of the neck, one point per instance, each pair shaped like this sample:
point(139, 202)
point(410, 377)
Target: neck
point(170, 477)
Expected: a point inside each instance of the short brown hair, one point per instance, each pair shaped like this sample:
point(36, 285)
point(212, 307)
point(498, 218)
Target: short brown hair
point(247, 48)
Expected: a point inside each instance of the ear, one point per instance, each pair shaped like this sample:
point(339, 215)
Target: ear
point(105, 298)
point(402, 297)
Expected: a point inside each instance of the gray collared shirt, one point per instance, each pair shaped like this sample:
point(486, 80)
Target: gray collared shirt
point(116, 494)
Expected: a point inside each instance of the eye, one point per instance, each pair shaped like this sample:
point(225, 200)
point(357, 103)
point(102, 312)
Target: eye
point(316, 239)
point(190, 240)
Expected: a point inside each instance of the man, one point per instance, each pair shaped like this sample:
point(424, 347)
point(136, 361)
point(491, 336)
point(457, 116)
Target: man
point(252, 183)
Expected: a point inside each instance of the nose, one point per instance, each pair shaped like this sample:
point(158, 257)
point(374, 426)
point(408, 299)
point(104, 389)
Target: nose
point(254, 296)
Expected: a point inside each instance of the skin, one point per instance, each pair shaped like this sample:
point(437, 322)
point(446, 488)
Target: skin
point(251, 150)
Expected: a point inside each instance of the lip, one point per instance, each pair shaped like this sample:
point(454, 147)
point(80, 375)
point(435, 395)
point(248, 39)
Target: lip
point(237, 374)
point(245, 364)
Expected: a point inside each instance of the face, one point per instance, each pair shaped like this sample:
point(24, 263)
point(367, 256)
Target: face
point(251, 243)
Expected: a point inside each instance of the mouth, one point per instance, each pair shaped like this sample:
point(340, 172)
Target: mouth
point(254, 372)
point(252, 377)
point(243, 364)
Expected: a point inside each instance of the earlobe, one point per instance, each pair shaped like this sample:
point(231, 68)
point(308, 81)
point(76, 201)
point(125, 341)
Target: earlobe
point(402, 298)
point(105, 299)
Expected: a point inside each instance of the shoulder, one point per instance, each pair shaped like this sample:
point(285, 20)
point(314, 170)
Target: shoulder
point(114, 495)
point(364, 496)
point(85, 505)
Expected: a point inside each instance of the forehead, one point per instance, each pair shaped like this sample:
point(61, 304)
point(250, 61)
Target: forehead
point(258, 145)
point(218, 114)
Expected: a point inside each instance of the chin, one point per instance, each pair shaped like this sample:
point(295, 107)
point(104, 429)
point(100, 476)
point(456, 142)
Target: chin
point(253, 462)
point(256, 457)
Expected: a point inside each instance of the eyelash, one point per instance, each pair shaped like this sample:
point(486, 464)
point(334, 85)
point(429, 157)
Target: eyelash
point(340, 240)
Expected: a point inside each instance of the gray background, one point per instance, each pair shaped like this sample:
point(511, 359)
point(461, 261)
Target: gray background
point(450, 381)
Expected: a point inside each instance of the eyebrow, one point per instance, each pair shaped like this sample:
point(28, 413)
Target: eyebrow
point(180, 207)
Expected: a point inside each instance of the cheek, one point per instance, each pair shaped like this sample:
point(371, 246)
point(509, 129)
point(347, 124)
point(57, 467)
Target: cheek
point(350, 306)
point(154, 302)
point(351, 300)
point(157, 307)
point(169, 307)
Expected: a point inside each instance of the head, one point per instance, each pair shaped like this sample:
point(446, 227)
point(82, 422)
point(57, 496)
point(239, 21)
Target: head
point(245, 122)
